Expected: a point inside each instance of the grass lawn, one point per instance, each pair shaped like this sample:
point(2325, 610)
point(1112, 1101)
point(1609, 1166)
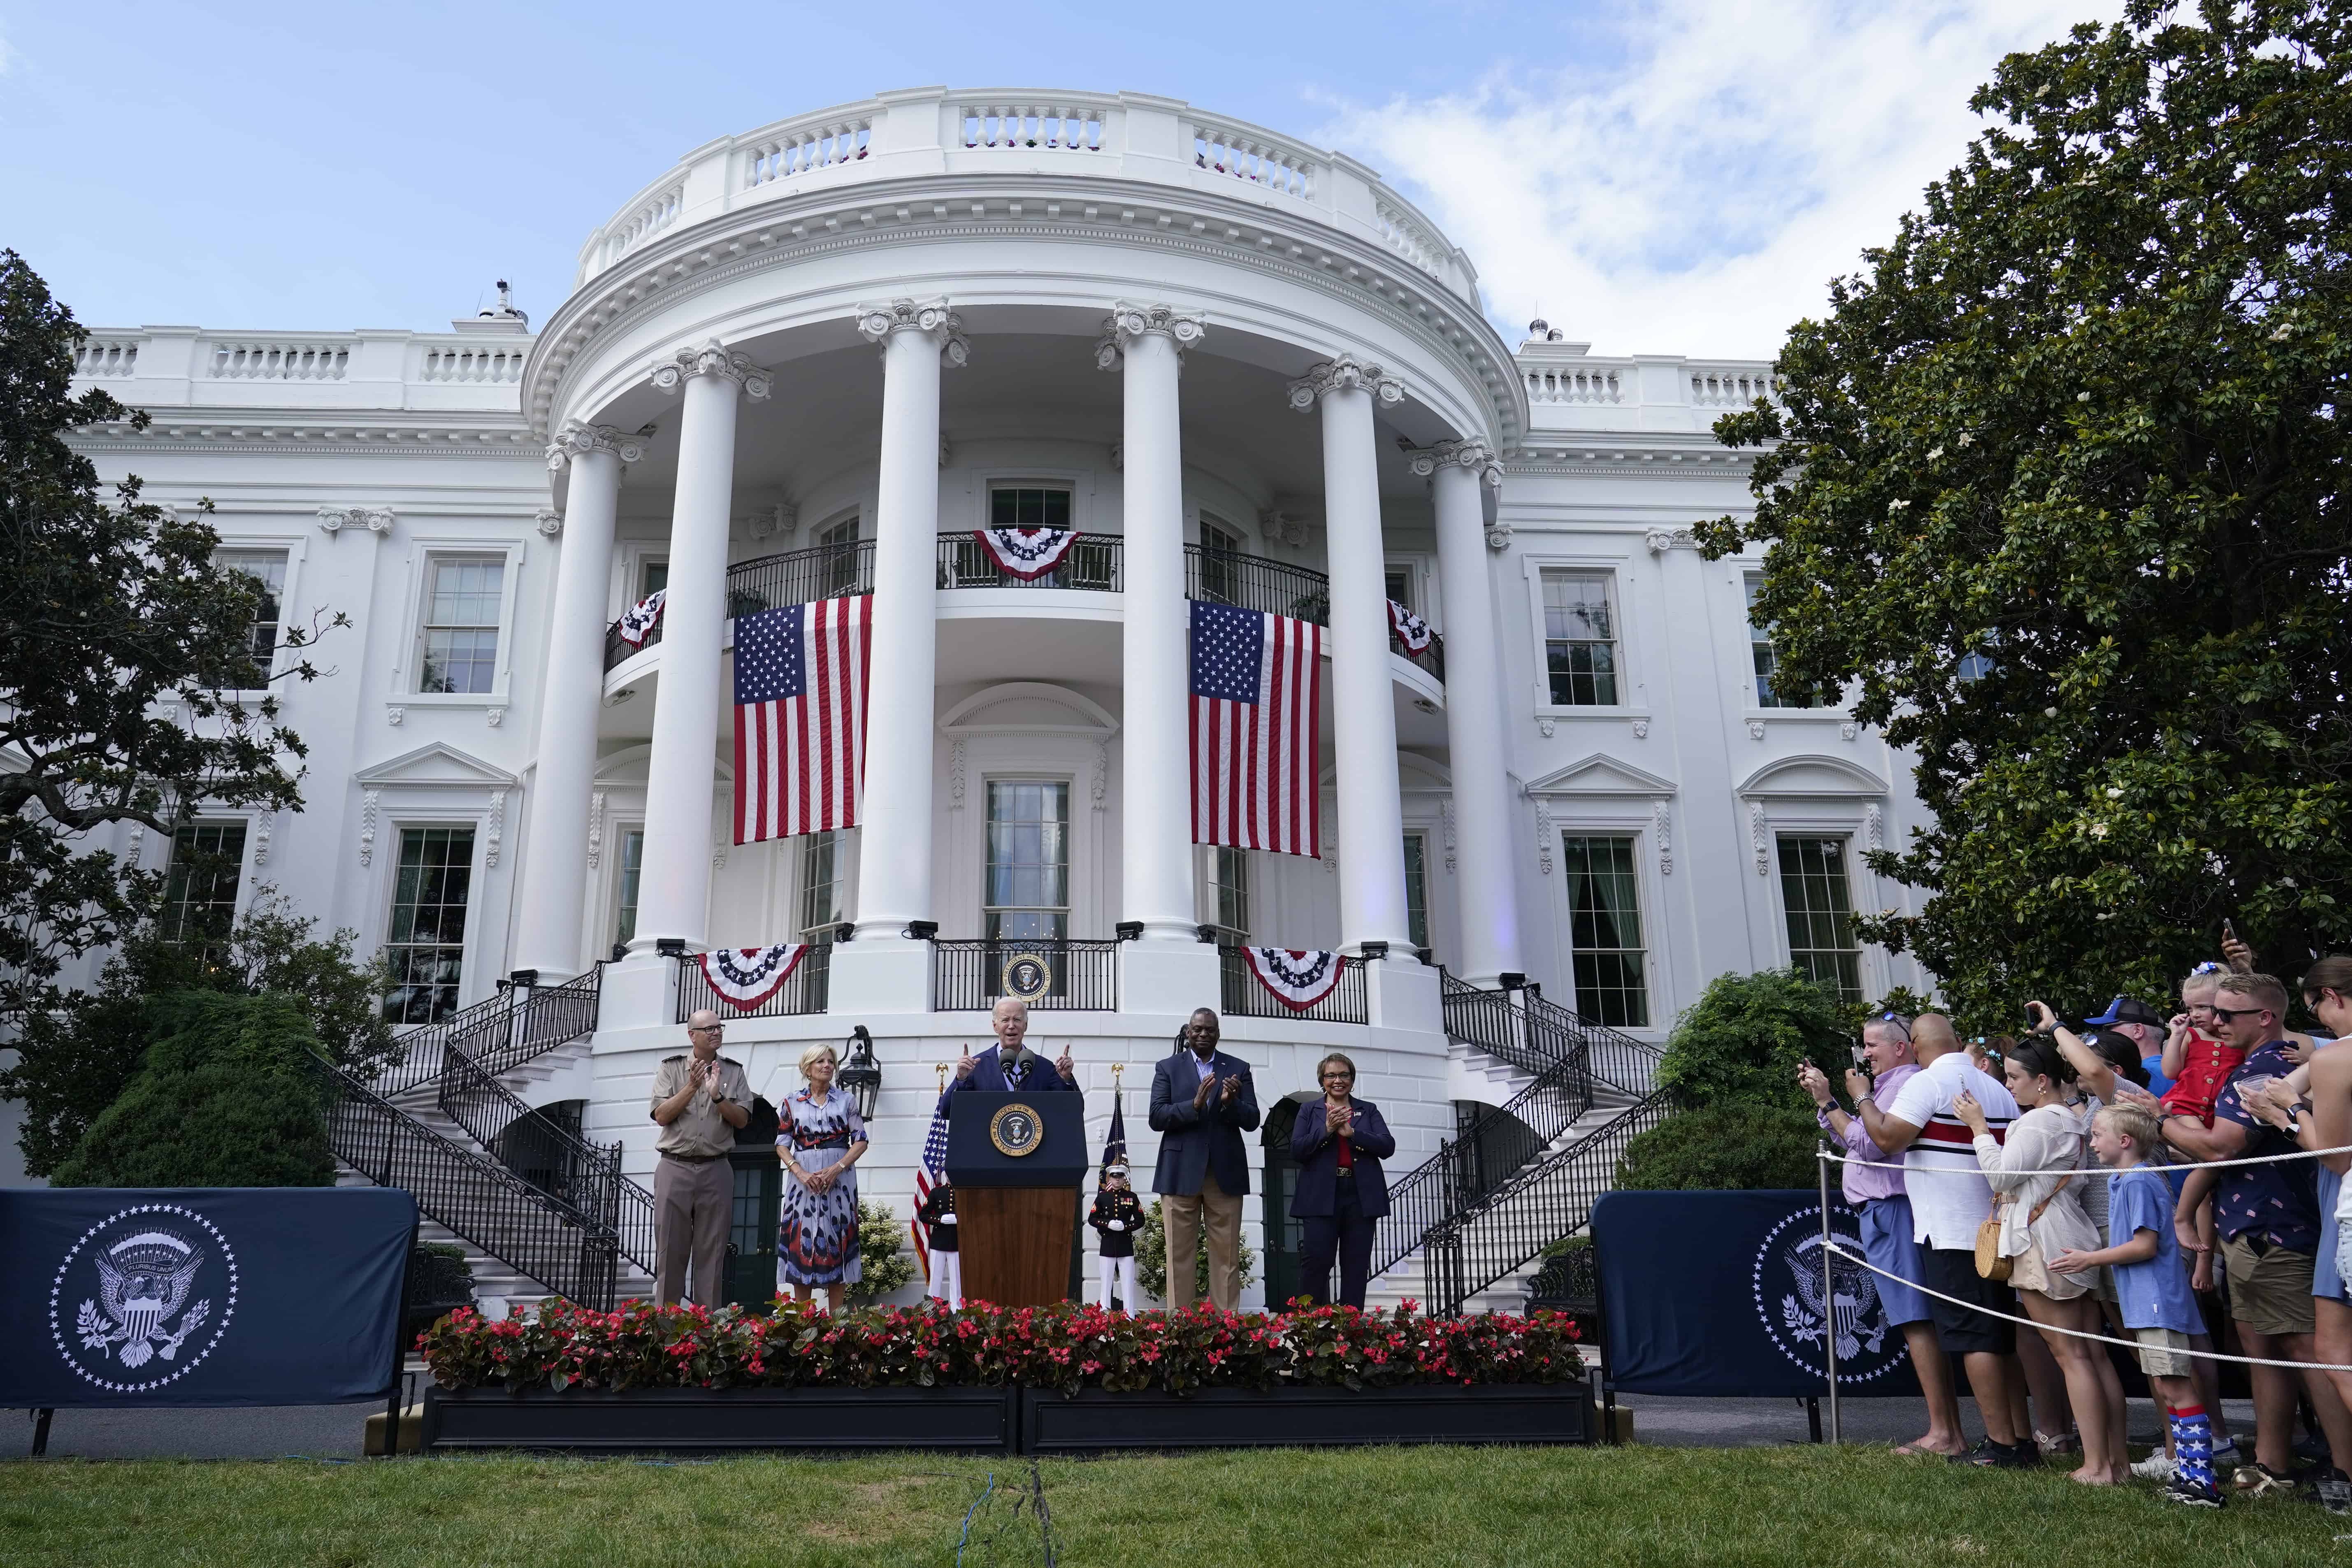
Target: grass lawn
point(1394, 1508)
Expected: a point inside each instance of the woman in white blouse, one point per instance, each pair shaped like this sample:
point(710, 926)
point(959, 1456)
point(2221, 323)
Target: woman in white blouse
point(2041, 1216)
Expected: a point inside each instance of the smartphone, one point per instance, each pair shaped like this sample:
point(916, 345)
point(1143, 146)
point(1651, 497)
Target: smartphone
point(1860, 1061)
point(2229, 931)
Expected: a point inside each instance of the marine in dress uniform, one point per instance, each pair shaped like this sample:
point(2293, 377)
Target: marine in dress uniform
point(939, 1216)
point(1117, 1215)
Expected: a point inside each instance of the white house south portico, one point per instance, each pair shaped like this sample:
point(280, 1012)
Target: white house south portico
point(816, 361)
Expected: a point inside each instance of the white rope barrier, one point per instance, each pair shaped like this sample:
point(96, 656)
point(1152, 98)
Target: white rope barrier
point(1978, 1171)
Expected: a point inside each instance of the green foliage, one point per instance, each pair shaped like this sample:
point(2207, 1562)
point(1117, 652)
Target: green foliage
point(76, 1058)
point(1741, 1041)
point(1151, 1259)
point(1720, 1148)
point(884, 1263)
point(126, 646)
point(439, 1272)
point(2085, 420)
point(229, 1097)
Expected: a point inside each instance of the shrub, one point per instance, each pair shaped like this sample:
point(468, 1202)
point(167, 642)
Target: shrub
point(1151, 1259)
point(1722, 1148)
point(227, 1097)
point(1741, 1043)
point(883, 1264)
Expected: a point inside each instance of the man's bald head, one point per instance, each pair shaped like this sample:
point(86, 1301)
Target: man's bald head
point(704, 1029)
point(1933, 1035)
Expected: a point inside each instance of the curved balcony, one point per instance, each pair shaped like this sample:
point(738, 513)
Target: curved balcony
point(1277, 588)
point(1095, 564)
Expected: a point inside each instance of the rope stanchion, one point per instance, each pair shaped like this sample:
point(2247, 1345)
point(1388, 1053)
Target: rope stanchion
point(1829, 1291)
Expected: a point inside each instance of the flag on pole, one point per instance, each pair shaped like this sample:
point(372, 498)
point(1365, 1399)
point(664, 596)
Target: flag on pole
point(799, 717)
point(1115, 1141)
point(1257, 691)
point(929, 1172)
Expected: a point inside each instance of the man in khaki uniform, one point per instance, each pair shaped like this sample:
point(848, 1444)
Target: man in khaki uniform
point(699, 1098)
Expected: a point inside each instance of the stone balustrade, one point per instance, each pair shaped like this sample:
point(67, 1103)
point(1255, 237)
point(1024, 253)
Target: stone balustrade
point(1570, 388)
point(183, 367)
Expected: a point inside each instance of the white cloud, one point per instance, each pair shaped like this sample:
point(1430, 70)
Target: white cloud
point(1698, 198)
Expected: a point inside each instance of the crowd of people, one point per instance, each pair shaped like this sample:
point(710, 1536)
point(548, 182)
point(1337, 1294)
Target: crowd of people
point(2166, 1182)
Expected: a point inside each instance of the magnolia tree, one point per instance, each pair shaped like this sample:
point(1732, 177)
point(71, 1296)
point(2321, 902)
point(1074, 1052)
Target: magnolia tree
point(2056, 492)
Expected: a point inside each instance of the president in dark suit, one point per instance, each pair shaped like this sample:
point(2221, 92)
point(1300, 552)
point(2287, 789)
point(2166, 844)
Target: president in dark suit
point(1202, 1100)
point(1339, 1142)
point(1010, 1064)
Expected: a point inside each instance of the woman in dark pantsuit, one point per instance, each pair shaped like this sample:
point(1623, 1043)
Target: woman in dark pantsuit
point(1339, 1142)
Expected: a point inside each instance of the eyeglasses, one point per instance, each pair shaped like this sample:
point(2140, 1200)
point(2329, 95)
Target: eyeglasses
point(706, 1028)
point(2226, 1014)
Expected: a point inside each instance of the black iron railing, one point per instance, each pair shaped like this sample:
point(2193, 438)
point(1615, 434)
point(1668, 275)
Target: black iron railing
point(1529, 1033)
point(1255, 583)
point(770, 582)
point(1242, 994)
point(1078, 975)
point(1568, 1281)
point(500, 1032)
point(1487, 1151)
point(566, 1252)
point(617, 648)
point(1466, 1252)
point(804, 991)
point(1430, 658)
point(1095, 562)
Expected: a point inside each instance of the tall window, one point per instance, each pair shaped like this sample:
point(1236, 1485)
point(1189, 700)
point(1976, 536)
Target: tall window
point(820, 882)
point(1605, 910)
point(1580, 640)
point(1221, 549)
point(1028, 889)
point(1770, 691)
point(200, 891)
point(1024, 507)
point(1399, 579)
point(461, 625)
point(425, 942)
point(633, 875)
point(1229, 893)
point(1821, 912)
point(841, 575)
point(1416, 887)
point(652, 577)
point(267, 567)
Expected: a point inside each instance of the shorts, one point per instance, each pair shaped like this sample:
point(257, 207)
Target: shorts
point(2270, 1286)
point(1961, 1330)
point(1886, 1243)
point(2163, 1353)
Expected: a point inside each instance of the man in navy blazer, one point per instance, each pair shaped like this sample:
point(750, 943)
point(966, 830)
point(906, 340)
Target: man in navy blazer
point(1342, 1195)
point(1202, 1100)
point(1012, 1065)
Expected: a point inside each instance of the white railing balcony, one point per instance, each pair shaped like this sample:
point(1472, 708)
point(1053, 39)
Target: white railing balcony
point(1571, 389)
point(185, 367)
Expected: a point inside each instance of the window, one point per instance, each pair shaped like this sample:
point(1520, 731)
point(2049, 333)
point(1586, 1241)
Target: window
point(1221, 549)
point(461, 625)
point(820, 884)
point(1604, 914)
point(653, 576)
point(200, 890)
point(1769, 693)
point(841, 575)
point(1416, 887)
point(1580, 640)
point(1401, 586)
point(1028, 889)
point(267, 567)
point(1820, 913)
point(1229, 907)
point(425, 943)
point(1024, 507)
point(632, 871)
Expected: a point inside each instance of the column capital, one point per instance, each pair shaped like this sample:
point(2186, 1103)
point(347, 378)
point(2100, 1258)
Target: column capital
point(711, 359)
point(931, 317)
point(1345, 373)
point(1129, 321)
point(1473, 455)
point(576, 438)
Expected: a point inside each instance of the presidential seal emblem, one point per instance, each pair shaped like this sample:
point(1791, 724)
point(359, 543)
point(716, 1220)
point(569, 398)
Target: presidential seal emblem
point(1027, 977)
point(143, 1296)
point(1803, 1306)
point(1016, 1131)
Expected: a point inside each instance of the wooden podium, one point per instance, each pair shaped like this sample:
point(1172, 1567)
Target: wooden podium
point(1017, 1161)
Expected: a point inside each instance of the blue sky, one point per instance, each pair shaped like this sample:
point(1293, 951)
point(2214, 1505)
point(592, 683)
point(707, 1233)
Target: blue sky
point(1681, 176)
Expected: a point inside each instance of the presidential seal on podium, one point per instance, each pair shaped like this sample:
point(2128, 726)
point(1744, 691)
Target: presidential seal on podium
point(1016, 1131)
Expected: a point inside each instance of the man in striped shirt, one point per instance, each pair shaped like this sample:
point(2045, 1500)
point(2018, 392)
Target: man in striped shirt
point(1950, 1199)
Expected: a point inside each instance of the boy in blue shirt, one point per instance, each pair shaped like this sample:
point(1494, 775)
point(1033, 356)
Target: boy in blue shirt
point(2152, 1290)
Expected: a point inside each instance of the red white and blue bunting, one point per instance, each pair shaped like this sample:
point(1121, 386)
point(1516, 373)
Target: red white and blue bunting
point(1027, 553)
point(638, 621)
point(743, 977)
point(1409, 628)
point(1297, 979)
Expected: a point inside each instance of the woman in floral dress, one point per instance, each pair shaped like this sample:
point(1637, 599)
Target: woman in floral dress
point(819, 1140)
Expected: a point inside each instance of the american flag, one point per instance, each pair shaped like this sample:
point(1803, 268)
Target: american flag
point(1258, 689)
point(930, 1173)
point(799, 717)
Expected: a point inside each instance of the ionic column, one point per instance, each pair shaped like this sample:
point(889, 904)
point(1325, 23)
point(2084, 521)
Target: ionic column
point(894, 863)
point(1363, 715)
point(555, 857)
point(1156, 869)
point(1474, 711)
point(674, 889)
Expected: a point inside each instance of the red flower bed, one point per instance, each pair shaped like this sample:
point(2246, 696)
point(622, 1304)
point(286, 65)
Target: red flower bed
point(1066, 1347)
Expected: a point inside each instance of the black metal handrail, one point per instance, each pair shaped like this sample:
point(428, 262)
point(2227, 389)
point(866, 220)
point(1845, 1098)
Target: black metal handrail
point(1096, 563)
point(1430, 658)
point(539, 1237)
point(1485, 1154)
point(970, 975)
point(1612, 1055)
point(500, 1032)
point(805, 991)
point(617, 648)
point(770, 582)
point(1255, 583)
point(1240, 994)
point(1465, 1253)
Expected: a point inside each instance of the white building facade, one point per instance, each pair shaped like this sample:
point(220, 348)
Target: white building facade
point(812, 361)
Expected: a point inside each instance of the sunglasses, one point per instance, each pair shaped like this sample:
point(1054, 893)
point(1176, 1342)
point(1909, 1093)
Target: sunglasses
point(2227, 1013)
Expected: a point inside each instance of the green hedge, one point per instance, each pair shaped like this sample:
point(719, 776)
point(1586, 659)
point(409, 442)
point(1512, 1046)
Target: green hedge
point(1719, 1148)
